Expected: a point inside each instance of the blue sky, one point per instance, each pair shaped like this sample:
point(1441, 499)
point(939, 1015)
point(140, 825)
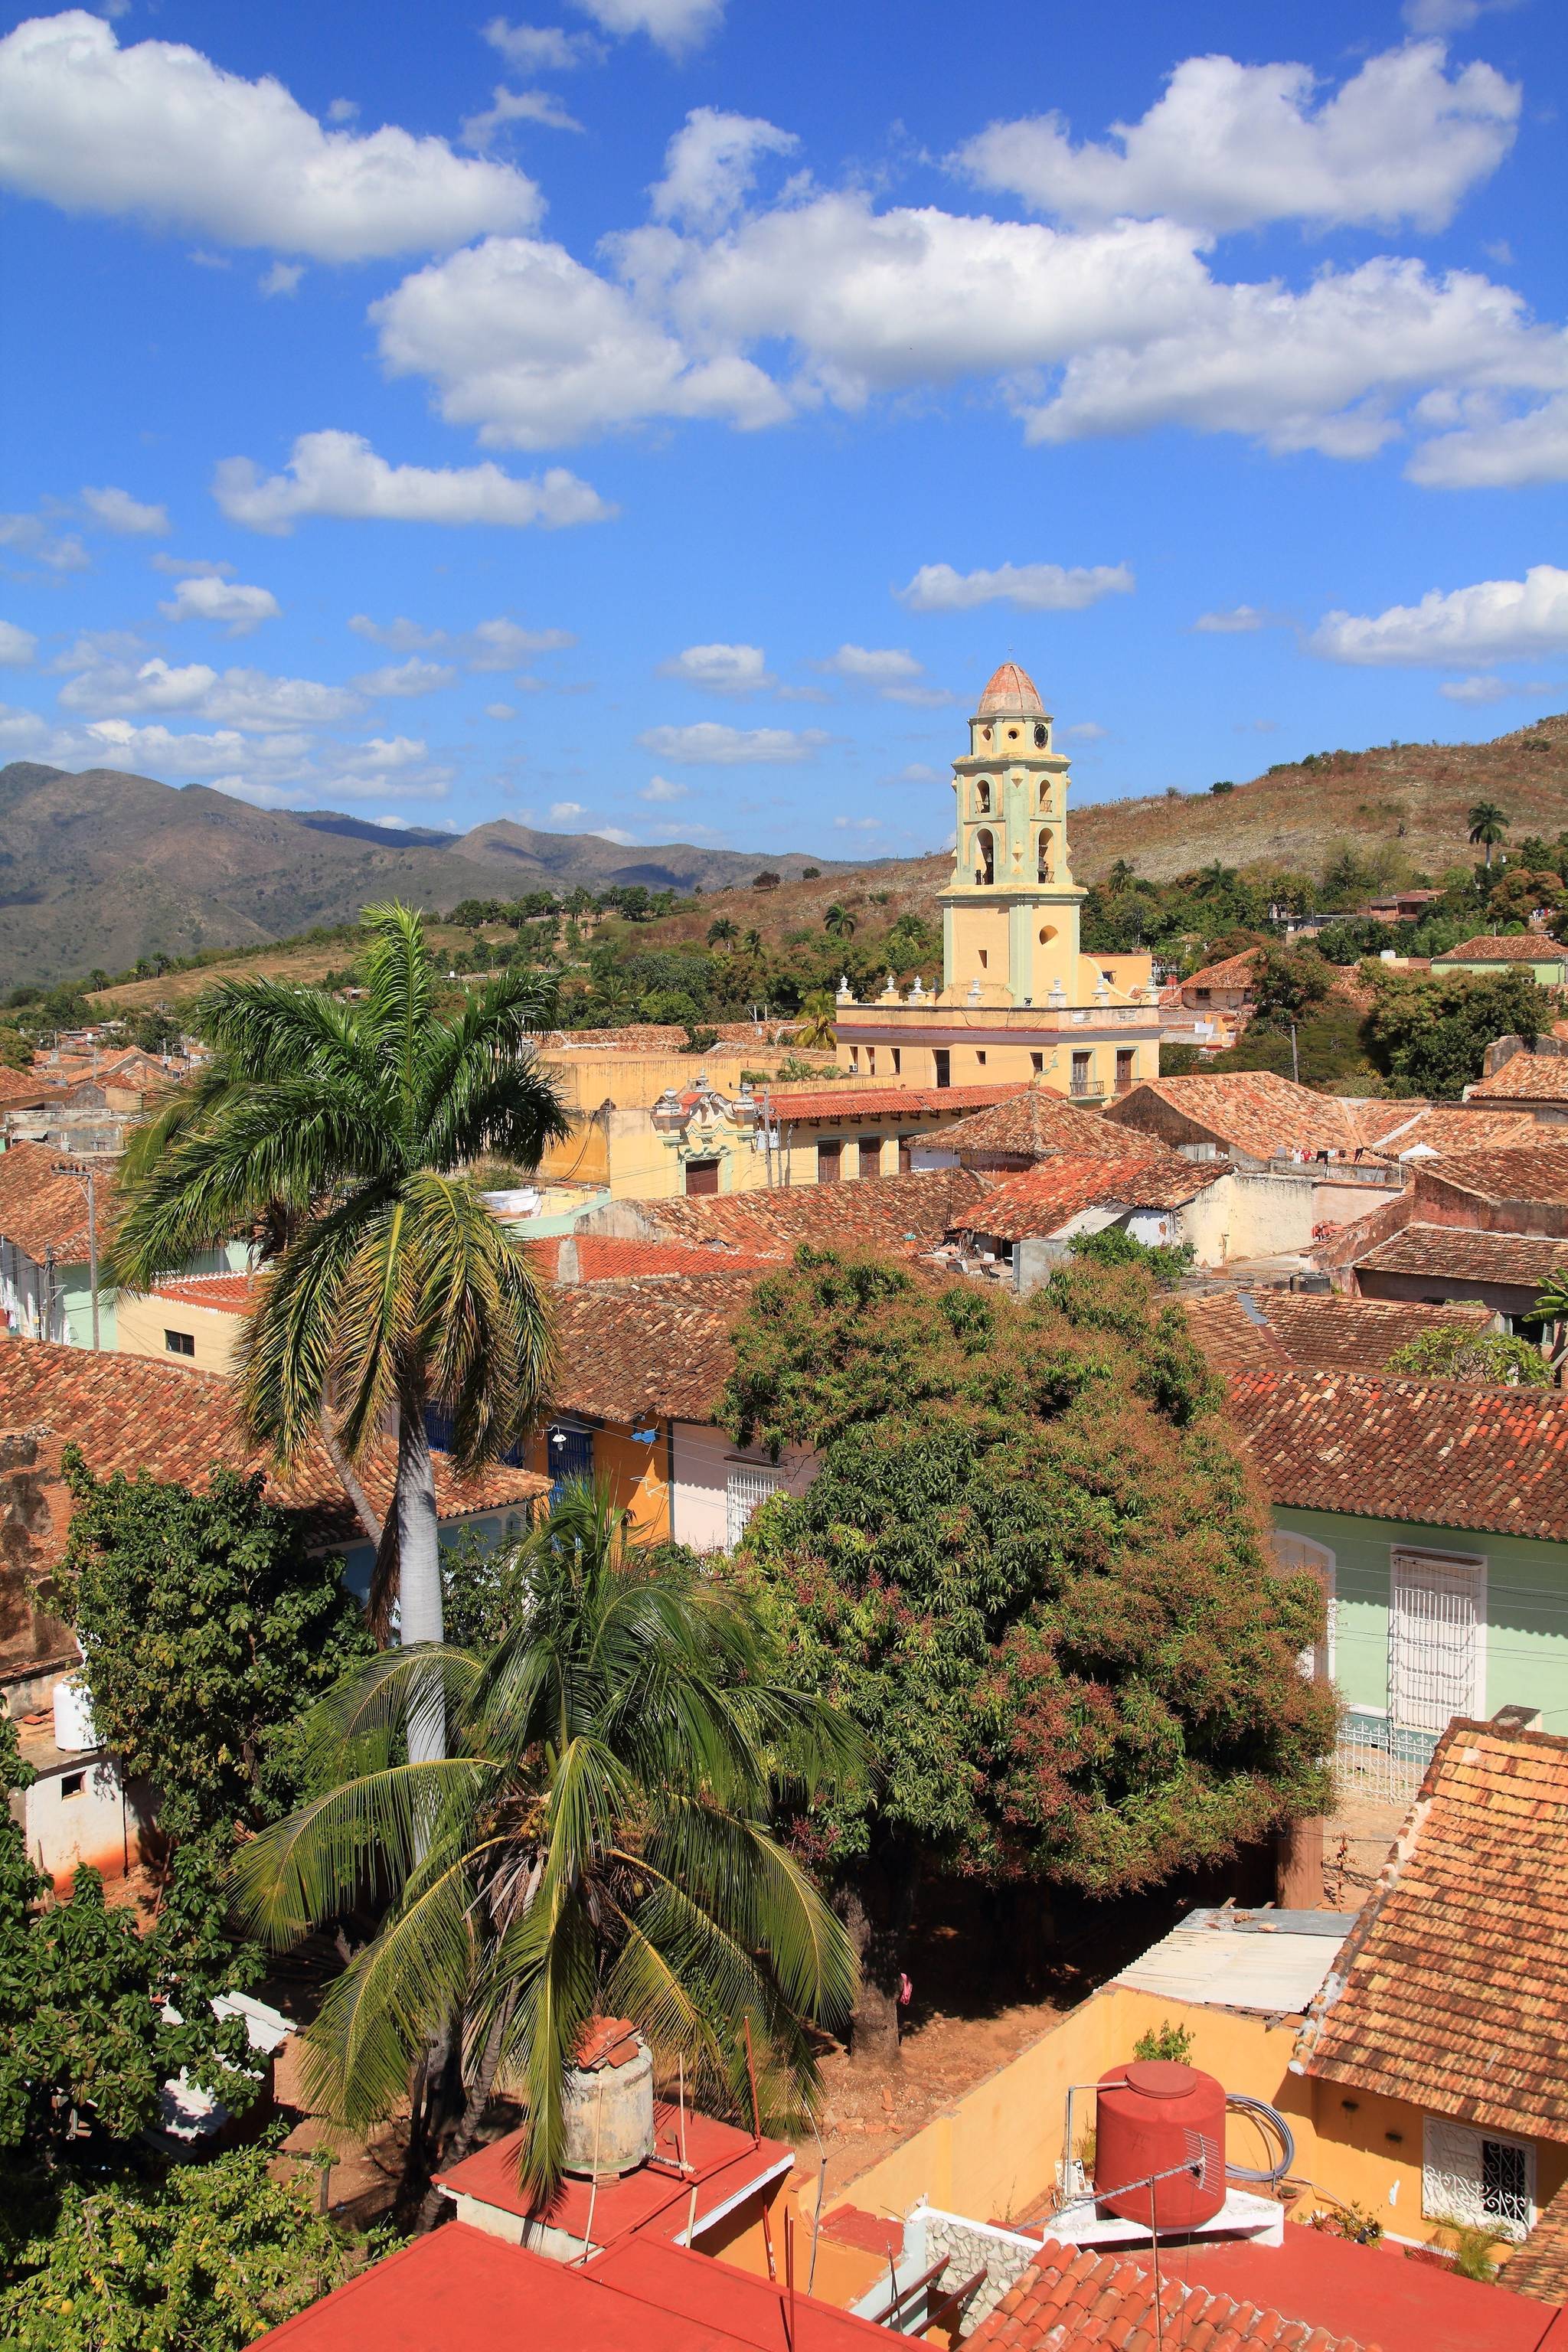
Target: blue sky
point(657, 416)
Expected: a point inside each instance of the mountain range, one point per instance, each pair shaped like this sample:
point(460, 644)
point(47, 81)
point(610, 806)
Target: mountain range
point(100, 868)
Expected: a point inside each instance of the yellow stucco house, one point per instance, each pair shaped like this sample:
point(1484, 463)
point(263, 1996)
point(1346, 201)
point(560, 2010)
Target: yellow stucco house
point(1019, 999)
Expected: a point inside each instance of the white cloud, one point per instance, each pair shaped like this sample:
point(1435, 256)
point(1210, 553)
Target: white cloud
point(1032, 587)
point(238, 698)
point(499, 710)
point(406, 677)
point(709, 745)
point(622, 839)
point(1496, 620)
point(1448, 16)
point(283, 278)
point(375, 788)
point(674, 24)
point(237, 608)
point(384, 753)
point(916, 773)
point(157, 751)
point(26, 533)
point(1489, 689)
point(858, 824)
point(721, 670)
point(1084, 730)
point(711, 166)
point(565, 812)
point(159, 132)
point(537, 351)
point(1504, 453)
point(541, 48)
point(872, 665)
point(340, 474)
point(1231, 146)
point(919, 697)
point(660, 788)
point(343, 109)
point(502, 644)
point(118, 510)
point(399, 636)
point(189, 567)
point(1235, 623)
point(540, 106)
point(17, 646)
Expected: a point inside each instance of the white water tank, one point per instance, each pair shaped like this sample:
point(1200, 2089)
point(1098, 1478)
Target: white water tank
point(74, 1726)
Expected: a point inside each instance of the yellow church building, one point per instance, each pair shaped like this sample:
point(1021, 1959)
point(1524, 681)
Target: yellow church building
point(1019, 999)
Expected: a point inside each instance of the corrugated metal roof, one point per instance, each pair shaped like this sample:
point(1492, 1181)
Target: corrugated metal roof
point(1274, 1961)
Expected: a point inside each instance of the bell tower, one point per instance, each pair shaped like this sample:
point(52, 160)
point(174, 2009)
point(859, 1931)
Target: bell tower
point(1010, 914)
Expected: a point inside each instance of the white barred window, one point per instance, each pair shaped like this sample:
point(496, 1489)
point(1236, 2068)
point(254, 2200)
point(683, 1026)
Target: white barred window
point(1485, 2178)
point(745, 1490)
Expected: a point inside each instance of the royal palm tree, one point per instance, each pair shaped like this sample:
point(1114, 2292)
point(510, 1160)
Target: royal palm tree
point(722, 932)
point(1488, 826)
point(597, 1839)
point(839, 922)
point(342, 1133)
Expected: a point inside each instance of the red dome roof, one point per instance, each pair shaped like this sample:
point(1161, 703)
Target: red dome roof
point(1010, 691)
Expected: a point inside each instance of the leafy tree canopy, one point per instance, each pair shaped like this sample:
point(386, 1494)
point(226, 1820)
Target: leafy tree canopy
point(1456, 1354)
point(1429, 1033)
point(208, 1629)
point(1032, 1569)
point(84, 2046)
point(205, 2260)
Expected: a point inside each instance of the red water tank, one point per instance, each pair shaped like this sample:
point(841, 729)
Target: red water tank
point(1154, 2116)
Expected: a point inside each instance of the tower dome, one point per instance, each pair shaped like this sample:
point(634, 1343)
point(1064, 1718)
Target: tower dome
point(1011, 694)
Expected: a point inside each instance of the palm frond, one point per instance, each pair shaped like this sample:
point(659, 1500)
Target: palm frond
point(351, 1842)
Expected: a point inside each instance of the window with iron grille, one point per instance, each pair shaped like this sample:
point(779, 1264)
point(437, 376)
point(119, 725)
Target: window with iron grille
point(1486, 2180)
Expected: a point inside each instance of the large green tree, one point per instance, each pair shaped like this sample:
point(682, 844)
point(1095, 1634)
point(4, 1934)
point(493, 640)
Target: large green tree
point(1032, 1569)
point(342, 1133)
point(596, 1838)
point(208, 1627)
point(1429, 1033)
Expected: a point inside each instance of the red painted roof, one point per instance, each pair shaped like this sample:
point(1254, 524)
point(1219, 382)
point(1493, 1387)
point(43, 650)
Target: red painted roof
point(602, 1258)
point(726, 2161)
point(458, 2290)
point(1011, 689)
point(1374, 2291)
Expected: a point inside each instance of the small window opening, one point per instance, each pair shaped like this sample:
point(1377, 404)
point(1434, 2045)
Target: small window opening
point(980, 1058)
point(854, 1057)
point(1045, 870)
point(986, 734)
point(983, 797)
point(1012, 734)
point(985, 857)
point(898, 1059)
point(180, 1343)
point(73, 1784)
point(871, 1061)
point(985, 959)
point(1038, 1064)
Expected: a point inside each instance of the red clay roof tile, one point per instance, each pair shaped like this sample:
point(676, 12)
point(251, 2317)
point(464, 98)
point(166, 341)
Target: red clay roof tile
point(1071, 2300)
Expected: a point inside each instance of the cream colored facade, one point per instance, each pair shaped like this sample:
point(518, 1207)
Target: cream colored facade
point(1019, 998)
point(146, 1324)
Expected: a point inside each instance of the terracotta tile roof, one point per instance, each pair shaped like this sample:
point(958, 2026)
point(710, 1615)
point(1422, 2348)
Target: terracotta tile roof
point(1538, 1173)
point(131, 1412)
point(907, 1215)
point(628, 1351)
point(1455, 1254)
point(1010, 691)
point(1255, 1111)
point(1035, 1124)
point(1435, 1452)
point(1524, 1078)
point(1451, 1991)
point(1231, 971)
point(223, 1294)
point(1320, 1333)
point(1041, 1200)
point(23, 1087)
point(602, 1258)
point(1073, 2300)
point(1516, 947)
point(40, 1210)
point(844, 1101)
point(1540, 2268)
point(1392, 1130)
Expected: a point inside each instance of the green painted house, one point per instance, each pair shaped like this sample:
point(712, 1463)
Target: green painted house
point(1545, 959)
point(1436, 1514)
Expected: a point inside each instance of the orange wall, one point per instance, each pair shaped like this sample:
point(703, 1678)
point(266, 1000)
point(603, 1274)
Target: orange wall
point(636, 1470)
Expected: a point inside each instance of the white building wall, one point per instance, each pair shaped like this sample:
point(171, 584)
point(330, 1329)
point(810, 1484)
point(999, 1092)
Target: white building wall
point(79, 1812)
point(23, 1295)
point(706, 1461)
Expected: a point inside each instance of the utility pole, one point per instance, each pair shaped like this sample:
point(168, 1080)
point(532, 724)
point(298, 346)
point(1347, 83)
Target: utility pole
point(1294, 1056)
point(85, 1177)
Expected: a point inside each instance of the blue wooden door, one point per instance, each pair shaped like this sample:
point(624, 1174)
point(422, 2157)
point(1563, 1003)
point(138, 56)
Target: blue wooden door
point(571, 1457)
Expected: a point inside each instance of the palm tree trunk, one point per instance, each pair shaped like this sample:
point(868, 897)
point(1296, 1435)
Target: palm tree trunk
point(419, 1571)
point(466, 2133)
